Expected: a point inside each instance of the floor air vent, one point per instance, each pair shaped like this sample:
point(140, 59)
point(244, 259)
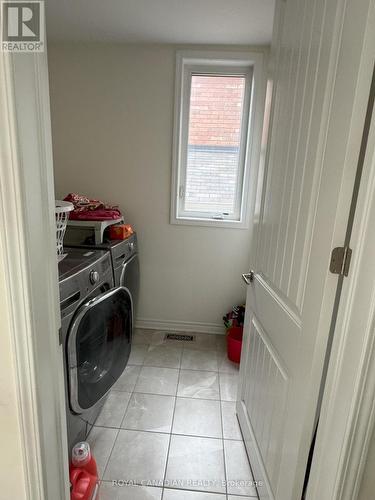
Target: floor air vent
point(179, 336)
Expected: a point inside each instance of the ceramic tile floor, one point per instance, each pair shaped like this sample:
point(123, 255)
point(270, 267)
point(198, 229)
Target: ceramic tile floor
point(169, 430)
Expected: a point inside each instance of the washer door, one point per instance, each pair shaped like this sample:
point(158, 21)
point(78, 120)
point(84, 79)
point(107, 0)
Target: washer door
point(130, 278)
point(98, 346)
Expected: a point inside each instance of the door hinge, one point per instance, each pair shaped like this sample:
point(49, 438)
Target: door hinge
point(340, 260)
point(60, 336)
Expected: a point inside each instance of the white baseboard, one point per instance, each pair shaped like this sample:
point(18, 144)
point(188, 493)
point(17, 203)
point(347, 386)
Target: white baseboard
point(180, 326)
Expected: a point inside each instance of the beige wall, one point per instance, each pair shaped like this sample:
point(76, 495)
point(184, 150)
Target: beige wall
point(12, 474)
point(112, 113)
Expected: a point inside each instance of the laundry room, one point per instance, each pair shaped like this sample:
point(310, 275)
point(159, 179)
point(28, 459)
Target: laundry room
point(112, 111)
point(119, 165)
point(187, 194)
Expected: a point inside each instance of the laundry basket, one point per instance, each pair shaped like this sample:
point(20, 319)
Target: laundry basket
point(62, 209)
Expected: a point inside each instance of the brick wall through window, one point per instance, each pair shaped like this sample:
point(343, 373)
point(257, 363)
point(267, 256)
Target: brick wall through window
point(215, 115)
point(216, 110)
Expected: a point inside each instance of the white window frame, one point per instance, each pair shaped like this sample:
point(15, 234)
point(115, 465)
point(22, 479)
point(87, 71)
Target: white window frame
point(249, 65)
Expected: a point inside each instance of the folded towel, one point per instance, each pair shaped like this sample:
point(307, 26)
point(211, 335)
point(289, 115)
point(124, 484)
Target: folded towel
point(87, 209)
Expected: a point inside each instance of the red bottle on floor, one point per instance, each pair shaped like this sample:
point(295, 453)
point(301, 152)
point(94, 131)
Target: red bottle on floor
point(83, 486)
point(83, 473)
point(82, 458)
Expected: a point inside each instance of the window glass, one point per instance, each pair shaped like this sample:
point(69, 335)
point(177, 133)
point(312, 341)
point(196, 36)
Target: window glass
point(213, 167)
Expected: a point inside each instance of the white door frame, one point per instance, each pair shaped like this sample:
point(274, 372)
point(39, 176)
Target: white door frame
point(30, 285)
point(348, 408)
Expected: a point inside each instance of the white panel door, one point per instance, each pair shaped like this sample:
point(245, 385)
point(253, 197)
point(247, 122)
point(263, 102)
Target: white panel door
point(290, 300)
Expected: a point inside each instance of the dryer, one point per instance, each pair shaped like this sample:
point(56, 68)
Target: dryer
point(124, 257)
point(96, 331)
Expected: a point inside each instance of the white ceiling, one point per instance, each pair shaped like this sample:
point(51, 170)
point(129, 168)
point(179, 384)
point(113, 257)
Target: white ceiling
point(161, 21)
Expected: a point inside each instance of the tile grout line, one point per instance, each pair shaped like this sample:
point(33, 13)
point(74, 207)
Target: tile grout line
point(184, 346)
point(170, 435)
point(109, 457)
point(245, 497)
point(183, 368)
point(184, 397)
point(126, 409)
point(200, 436)
point(155, 366)
point(219, 353)
point(165, 432)
point(118, 431)
point(222, 433)
point(132, 392)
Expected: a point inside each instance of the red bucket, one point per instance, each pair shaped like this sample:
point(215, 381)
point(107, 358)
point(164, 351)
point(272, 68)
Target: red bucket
point(234, 343)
